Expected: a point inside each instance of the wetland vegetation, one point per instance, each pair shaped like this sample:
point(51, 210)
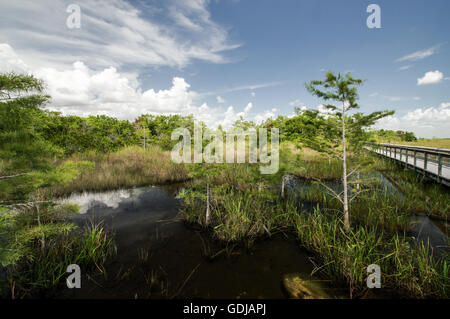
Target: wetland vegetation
point(223, 216)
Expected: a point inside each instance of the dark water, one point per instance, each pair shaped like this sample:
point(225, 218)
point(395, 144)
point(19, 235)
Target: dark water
point(158, 256)
point(144, 222)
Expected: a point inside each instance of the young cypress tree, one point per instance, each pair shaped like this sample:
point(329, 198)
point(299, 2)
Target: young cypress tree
point(342, 89)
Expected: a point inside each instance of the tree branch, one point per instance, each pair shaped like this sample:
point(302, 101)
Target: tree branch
point(12, 176)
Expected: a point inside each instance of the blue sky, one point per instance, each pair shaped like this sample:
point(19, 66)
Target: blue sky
point(223, 59)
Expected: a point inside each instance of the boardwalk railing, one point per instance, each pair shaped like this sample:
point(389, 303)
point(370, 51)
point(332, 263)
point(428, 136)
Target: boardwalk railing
point(429, 161)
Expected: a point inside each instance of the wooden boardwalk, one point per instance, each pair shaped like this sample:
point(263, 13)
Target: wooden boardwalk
point(429, 161)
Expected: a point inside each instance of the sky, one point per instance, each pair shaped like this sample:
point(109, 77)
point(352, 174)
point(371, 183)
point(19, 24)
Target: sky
point(223, 59)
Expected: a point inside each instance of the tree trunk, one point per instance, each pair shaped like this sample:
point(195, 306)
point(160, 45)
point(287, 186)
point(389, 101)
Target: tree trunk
point(344, 157)
point(282, 187)
point(36, 205)
point(145, 137)
point(358, 176)
point(208, 210)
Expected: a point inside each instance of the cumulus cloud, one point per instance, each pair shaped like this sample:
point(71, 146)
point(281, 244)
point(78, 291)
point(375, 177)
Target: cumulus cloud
point(424, 122)
point(10, 61)
point(431, 77)
point(81, 90)
point(324, 111)
point(259, 118)
point(444, 105)
point(220, 99)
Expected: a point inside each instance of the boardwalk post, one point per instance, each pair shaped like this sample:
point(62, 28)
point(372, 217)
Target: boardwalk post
point(438, 157)
point(406, 158)
point(425, 162)
point(415, 160)
point(439, 167)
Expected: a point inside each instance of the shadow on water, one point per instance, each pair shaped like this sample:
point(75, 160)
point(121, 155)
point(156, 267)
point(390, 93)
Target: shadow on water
point(159, 257)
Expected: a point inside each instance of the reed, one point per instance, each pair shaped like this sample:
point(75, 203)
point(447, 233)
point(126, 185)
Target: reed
point(46, 249)
point(345, 255)
point(128, 167)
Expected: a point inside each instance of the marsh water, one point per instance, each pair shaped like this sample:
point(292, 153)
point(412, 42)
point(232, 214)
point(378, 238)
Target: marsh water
point(158, 256)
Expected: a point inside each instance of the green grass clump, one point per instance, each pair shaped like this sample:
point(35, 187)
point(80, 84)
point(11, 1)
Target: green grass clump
point(35, 255)
point(375, 205)
point(239, 215)
point(421, 196)
point(128, 167)
point(345, 256)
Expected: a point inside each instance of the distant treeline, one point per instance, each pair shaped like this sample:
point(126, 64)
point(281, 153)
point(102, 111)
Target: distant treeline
point(32, 134)
point(390, 135)
point(73, 134)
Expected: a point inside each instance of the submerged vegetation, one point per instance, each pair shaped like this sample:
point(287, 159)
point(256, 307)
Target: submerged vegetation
point(47, 155)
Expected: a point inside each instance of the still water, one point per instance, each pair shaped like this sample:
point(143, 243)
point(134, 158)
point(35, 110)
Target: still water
point(158, 256)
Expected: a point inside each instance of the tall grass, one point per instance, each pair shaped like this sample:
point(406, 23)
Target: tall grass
point(130, 166)
point(239, 215)
point(44, 249)
point(419, 196)
point(432, 142)
point(376, 205)
point(346, 255)
point(309, 164)
point(89, 249)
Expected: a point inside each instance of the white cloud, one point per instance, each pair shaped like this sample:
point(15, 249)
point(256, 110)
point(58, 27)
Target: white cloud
point(259, 118)
point(253, 94)
point(444, 105)
point(10, 61)
point(297, 103)
point(114, 33)
point(419, 55)
point(81, 90)
point(424, 122)
point(220, 99)
point(416, 98)
point(405, 67)
point(248, 108)
point(240, 88)
point(394, 98)
point(431, 77)
point(323, 110)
